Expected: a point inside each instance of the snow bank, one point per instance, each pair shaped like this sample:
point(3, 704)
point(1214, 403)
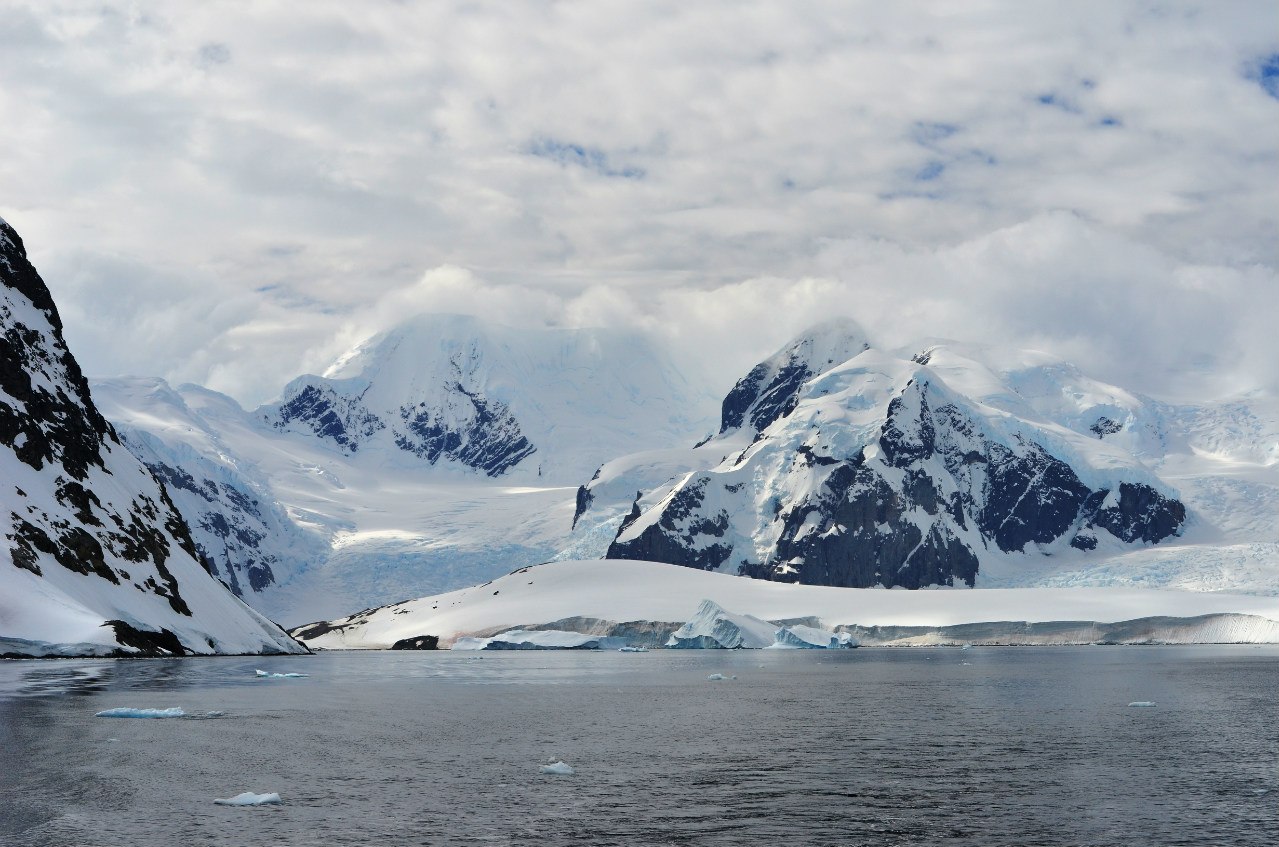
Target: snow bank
point(140, 713)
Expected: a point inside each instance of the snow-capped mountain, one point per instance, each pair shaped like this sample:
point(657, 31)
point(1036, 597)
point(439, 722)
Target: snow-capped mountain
point(949, 465)
point(453, 390)
point(436, 455)
point(100, 560)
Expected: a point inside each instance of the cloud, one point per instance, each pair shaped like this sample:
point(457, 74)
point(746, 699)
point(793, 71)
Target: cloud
point(259, 183)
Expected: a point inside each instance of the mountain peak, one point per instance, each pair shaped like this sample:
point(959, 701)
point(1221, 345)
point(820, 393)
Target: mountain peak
point(770, 390)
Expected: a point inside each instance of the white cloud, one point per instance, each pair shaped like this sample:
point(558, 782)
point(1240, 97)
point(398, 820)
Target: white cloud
point(242, 189)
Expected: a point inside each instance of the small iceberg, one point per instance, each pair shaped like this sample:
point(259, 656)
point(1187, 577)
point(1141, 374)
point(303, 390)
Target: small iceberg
point(140, 713)
point(1141, 704)
point(558, 768)
point(719, 677)
point(266, 675)
point(248, 798)
point(629, 649)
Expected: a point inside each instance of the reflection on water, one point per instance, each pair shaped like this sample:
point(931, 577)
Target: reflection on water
point(983, 746)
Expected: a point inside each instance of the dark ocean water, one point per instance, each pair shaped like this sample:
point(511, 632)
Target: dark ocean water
point(987, 746)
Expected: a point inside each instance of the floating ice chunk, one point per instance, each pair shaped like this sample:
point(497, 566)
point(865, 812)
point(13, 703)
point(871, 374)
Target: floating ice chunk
point(1141, 704)
point(266, 675)
point(248, 798)
point(140, 713)
point(718, 677)
point(629, 649)
point(558, 768)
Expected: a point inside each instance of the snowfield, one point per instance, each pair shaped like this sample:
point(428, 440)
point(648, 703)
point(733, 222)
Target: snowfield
point(587, 592)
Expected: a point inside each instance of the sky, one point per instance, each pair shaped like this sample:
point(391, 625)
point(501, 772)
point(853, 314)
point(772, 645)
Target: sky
point(234, 193)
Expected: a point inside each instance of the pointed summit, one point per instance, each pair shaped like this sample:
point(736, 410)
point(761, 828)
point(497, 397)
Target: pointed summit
point(770, 390)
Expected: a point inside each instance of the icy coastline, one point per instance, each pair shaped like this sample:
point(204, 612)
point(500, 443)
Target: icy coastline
point(604, 605)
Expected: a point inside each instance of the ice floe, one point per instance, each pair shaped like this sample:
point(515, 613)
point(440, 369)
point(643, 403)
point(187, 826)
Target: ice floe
point(266, 675)
point(140, 713)
point(248, 798)
point(718, 677)
point(1141, 704)
point(558, 768)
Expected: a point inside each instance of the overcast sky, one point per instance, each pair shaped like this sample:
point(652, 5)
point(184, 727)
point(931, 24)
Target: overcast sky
point(232, 193)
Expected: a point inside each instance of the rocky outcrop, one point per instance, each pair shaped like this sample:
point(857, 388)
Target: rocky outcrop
point(83, 516)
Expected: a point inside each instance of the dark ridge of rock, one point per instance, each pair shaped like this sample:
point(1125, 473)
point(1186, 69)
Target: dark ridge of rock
point(584, 498)
point(1105, 426)
point(329, 416)
point(490, 442)
point(1142, 514)
point(49, 428)
point(148, 642)
point(418, 642)
point(665, 541)
point(49, 421)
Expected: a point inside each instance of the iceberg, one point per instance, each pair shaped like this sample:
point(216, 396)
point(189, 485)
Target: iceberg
point(558, 768)
point(629, 649)
point(140, 713)
point(265, 675)
point(712, 627)
point(248, 798)
point(809, 637)
point(718, 677)
point(1141, 704)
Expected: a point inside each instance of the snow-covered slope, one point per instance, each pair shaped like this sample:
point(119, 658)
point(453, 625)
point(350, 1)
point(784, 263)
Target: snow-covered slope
point(951, 465)
point(584, 595)
point(540, 405)
point(99, 560)
point(306, 514)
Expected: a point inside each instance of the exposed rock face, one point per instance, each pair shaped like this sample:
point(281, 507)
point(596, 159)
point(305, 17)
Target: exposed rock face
point(771, 389)
point(876, 472)
point(80, 513)
point(329, 415)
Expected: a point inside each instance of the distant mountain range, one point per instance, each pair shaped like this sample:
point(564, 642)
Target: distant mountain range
point(947, 464)
point(439, 454)
point(450, 450)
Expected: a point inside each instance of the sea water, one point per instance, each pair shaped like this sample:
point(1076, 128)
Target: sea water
point(987, 746)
